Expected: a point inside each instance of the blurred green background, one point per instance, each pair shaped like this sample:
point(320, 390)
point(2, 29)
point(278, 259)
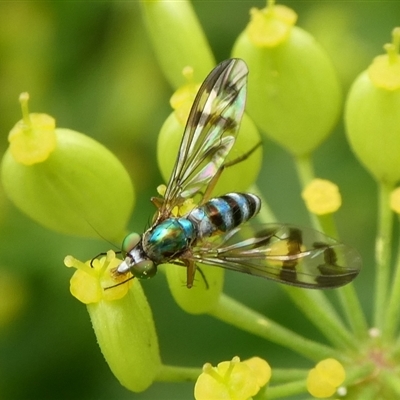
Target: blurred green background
point(90, 65)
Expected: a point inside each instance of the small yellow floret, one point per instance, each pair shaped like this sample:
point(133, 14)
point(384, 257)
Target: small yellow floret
point(395, 200)
point(232, 379)
point(161, 189)
point(182, 99)
point(270, 26)
point(89, 284)
point(33, 138)
point(261, 370)
point(322, 197)
point(325, 378)
point(384, 71)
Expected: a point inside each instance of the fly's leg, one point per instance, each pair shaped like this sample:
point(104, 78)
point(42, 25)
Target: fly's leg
point(191, 269)
point(190, 272)
point(204, 277)
point(119, 283)
point(214, 180)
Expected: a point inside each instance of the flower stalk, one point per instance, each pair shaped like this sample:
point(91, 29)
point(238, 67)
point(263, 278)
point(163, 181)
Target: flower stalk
point(237, 314)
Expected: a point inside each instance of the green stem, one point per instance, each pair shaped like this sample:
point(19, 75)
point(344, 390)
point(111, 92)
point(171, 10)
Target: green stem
point(396, 348)
point(284, 375)
point(237, 314)
point(170, 373)
point(283, 391)
point(393, 310)
point(348, 297)
point(360, 373)
point(23, 99)
point(392, 381)
point(352, 308)
point(368, 392)
point(305, 172)
point(320, 312)
point(383, 247)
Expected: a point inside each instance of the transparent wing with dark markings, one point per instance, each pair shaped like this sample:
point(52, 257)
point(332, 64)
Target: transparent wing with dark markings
point(283, 253)
point(210, 132)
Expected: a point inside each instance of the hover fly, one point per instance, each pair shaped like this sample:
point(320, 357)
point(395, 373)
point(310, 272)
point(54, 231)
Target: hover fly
point(215, 231)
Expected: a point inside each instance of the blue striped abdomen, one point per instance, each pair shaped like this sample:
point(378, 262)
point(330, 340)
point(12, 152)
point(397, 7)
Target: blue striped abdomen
point(224, 213)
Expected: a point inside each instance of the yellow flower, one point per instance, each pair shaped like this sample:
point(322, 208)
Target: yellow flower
point(91, 285)
point(325, 378)
point(270, 26)
point(233, 380)
point(384, 71)
point(322, 197)
point(33, 138)
point(182, 99)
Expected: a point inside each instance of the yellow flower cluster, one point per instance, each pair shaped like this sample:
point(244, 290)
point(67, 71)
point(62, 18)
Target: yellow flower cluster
point(235, 380)
point(89, 284)
point(322, 197)
point(325, 378)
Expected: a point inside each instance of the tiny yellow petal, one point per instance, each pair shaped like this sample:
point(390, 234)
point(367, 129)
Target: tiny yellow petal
point(260, 369)
point(85, 288)
point(332, 371)
point(33, 138)
point(161, 189)
point(94, 280)
point(270, 26)
point(325, 378)
point(317, 386)
point(182, 100)
point(384, 71)
point(322, 197)
point(233, 380)
point(395, 200)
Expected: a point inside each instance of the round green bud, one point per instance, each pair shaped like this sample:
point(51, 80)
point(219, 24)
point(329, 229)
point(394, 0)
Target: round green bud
point(238, 177)
point(203, 296)
point(293, 91)
point(121, 319)
point(127, 338)
point(372, 115)
point(178, 39)
point(75, 186)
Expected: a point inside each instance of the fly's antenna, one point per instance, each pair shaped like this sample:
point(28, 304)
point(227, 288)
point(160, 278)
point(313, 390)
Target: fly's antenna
point(104, 238)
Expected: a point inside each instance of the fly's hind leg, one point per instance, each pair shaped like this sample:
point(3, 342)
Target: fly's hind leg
point(190, 272)
point(191, 269)
point(214, 180)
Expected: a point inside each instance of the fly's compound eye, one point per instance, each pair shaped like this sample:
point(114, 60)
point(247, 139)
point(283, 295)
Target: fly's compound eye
point(144, 269)
point(130, 242)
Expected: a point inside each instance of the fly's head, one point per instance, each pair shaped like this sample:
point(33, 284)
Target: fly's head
point(136, 261)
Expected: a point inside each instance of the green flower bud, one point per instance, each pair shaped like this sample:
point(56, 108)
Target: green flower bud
point(238, 177)
point(294, 94)
point(203, 296)
point(122, 321)
point(372, 115)
point(65, 180)
point(178, 39)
